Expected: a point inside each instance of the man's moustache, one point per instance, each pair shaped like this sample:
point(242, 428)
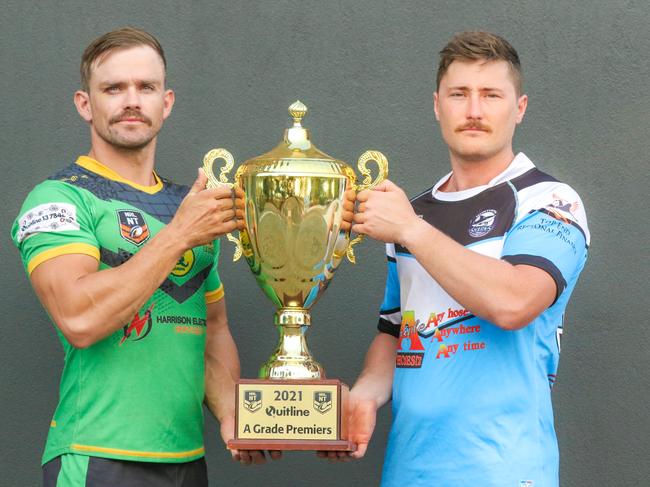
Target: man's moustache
point(473, 125)
point(130, 115)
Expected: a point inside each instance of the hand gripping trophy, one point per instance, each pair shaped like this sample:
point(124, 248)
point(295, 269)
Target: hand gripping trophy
point(293, 243)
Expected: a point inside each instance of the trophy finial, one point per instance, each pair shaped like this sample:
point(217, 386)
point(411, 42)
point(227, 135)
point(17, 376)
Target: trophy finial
point(297, 110)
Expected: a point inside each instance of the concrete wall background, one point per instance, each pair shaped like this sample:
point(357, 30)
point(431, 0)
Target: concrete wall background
point(366, 69)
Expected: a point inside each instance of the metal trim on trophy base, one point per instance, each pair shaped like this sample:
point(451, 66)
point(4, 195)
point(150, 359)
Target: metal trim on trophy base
point(289, 415)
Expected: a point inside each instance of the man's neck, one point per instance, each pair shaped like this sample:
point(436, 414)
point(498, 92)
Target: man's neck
point(467, 174)
point(135, 166)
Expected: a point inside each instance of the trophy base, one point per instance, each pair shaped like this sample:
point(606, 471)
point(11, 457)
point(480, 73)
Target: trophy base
point(297, 445)
point(289, 415)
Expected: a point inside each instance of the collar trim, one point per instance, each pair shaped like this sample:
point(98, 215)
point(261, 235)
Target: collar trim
point(98, 168)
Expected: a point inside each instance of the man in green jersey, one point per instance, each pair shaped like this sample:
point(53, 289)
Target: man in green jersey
point(125, 263)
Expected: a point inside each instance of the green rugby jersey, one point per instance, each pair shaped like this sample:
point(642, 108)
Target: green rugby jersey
point(137, 394)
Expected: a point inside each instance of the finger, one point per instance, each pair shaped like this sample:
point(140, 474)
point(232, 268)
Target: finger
point(332, 457)
point(362, 207)
point(222, 191)
point(344, 456)
point(385, 185)
point(244, 457)
point(359, 229)
point(348, 201)
point(199, 184)
point(363, 195)
point(321, 454)
point(360, 452)
point(275, 454)
point(235, 455)
point(240, 203)
point(359, 218)
point(226, 227)
point(228, 215)
point(257, 457)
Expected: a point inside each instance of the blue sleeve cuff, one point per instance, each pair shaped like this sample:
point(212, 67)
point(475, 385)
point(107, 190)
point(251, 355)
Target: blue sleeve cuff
point(541, 263)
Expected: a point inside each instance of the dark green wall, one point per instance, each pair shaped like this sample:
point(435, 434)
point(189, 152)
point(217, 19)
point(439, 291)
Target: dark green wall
point(366, 70)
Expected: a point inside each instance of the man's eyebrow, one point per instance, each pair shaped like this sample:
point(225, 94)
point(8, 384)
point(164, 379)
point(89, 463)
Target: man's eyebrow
point(149, 82)
point(482, 88)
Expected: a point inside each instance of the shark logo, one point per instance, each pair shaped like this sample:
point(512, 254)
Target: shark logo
point(141, 326)
point(482, 223)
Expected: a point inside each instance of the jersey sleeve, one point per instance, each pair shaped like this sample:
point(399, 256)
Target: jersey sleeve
point(213, 285)
point(54, 220)
point(552, 236)
point(390, 313)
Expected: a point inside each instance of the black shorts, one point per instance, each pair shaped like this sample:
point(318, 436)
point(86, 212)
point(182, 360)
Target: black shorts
point(71, 470)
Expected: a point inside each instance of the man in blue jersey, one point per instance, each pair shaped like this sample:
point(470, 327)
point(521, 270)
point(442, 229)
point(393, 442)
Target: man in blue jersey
point(480, 269)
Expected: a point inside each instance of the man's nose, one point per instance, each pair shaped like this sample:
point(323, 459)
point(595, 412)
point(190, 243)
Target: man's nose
point(132, 99)
point(474, 109)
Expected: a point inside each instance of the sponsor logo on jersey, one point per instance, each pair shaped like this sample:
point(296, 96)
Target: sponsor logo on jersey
point(482, 223)
point(133, 227)
point(48, 217)
point(139, 327)
point(525, 483)
point(185, 325)
point(410, 351)
point(563, 209)
point(185, 264)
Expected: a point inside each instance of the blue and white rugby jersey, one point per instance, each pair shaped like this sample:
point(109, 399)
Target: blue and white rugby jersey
point(471, 401)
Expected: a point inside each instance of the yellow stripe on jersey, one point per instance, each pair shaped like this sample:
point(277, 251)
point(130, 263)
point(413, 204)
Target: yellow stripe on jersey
point(135, 453)
point(98, 168)
point(214, 296)
point(75, 248)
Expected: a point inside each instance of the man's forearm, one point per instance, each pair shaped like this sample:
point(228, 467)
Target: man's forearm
point(221, 363)
point(376, 380)
point(98, 303)
point(506, 295)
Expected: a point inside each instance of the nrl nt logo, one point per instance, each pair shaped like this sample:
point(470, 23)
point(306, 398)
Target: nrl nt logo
point(253, 400)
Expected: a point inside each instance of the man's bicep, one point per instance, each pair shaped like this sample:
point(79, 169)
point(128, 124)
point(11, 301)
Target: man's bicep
point(552, 245)
point(541, 287)
point(56, 281)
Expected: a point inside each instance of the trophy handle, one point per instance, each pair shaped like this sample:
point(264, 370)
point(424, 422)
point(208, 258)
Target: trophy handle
point(382, 163)
point(208, 162)
point(213, 182)
point(368, 183)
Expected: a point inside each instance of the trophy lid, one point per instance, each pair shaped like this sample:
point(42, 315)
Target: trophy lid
point(296, 152)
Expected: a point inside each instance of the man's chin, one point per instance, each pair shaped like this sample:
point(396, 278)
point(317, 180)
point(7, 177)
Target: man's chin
point(133, 144)
point(474, 154)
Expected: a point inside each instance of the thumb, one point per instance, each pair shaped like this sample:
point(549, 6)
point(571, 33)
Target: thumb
point(385, 185)
point(199, 184)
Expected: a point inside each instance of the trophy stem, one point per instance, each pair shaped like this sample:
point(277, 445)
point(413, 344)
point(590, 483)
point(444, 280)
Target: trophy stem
point(292, 359)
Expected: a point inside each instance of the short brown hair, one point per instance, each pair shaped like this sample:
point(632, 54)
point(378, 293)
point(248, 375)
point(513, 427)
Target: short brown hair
point(117, 39)
point(479, 45)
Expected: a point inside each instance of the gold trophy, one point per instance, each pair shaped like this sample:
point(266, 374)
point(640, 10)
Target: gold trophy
point(293, 243)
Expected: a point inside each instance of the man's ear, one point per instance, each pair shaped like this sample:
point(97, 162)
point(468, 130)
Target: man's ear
point(82, 102)
point(435, 105)
point(169, 97)
point(522, 103)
